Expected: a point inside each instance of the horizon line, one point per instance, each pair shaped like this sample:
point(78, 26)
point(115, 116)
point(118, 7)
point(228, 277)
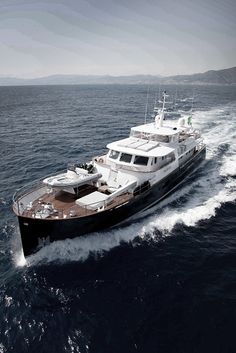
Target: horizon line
point(6, 76)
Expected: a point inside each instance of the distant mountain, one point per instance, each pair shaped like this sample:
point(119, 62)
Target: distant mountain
point(80, 79)
point(221, 77)
point(226, 76)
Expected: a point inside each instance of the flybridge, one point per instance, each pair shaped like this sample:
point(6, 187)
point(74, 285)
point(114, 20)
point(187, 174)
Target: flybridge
point(151, 128)
point(151, 133)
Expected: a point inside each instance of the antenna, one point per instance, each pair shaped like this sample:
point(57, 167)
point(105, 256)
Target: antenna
point(145, 116)
point(155, 109)
point(192, 103)
point(191, 112)
point(155, 100)
point(175, 97)
point(164, 100)
point(159, 97)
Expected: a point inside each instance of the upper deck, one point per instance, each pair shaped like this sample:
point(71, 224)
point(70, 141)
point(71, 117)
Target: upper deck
point(153, 128)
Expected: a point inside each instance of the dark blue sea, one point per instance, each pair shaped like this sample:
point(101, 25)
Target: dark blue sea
point(163, 282)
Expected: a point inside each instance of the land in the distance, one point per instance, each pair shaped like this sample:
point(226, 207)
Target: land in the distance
point(212, 77)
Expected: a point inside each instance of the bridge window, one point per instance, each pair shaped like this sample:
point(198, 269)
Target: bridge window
point(125, 157)
point(162, 138)
point(114, 154)
point(140, 160)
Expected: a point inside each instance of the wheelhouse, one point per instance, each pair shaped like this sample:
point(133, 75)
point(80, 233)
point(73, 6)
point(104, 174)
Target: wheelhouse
point(141, 162)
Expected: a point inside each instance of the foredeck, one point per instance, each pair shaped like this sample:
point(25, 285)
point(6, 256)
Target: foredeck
point(61, 205)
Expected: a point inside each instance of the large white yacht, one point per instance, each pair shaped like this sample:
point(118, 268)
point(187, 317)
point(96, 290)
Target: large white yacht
point(136, 173)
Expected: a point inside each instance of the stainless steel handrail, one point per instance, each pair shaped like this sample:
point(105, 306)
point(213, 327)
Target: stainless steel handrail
point(26, 190)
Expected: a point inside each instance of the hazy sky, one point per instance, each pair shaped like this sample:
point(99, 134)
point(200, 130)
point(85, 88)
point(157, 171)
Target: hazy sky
point(116, 37)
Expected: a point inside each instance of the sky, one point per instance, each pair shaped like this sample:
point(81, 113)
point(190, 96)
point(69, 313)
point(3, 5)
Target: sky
point(116, 37)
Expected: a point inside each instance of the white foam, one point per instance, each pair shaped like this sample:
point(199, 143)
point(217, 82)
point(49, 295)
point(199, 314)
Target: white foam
point(20, 260)
point(80, 248)
point(189, 216)
point(229, 166)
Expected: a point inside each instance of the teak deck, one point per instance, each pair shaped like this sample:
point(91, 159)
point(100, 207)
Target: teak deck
point(64, 206)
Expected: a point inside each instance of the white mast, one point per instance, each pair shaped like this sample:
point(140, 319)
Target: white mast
point(160, 117)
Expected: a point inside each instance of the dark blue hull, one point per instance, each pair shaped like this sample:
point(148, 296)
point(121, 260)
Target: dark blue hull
point(38, 232)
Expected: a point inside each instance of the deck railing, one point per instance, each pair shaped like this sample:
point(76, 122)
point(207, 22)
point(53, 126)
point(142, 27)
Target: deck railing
point(24, 191)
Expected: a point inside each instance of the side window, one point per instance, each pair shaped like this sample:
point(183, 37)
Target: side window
point(125, 157)
point(140, 160)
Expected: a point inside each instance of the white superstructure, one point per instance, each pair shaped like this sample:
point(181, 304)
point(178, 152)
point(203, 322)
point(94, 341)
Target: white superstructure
point(150, 153)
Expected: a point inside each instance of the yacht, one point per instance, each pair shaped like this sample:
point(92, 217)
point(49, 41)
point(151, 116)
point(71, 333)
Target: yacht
point(135, 174)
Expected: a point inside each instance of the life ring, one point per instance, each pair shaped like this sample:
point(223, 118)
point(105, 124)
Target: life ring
point(101, 160)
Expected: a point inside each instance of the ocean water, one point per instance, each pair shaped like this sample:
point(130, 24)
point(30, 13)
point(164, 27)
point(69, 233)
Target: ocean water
point(163, 282)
